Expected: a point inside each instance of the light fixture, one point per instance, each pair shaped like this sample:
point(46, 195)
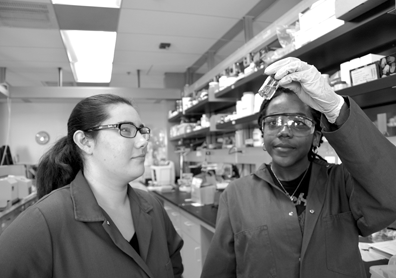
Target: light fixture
point(91, 54)
point(90, 3)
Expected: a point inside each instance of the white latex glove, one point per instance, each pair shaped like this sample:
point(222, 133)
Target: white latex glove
point(309, 85)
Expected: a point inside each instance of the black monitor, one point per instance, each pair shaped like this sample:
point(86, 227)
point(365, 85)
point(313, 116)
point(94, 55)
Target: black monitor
point(5, 155)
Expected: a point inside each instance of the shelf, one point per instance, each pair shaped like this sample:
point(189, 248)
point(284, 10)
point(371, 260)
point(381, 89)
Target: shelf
point(372, 32)
point(207, 106)
point(374, 93)
point(370, 94)
point(241, 123)
point(246, 155)
point(250, 83)
point(176, 118)
point(200, 133)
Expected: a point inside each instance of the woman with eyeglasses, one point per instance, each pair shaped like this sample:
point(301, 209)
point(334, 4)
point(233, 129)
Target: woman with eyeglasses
point(89, 221)
point(300, 216)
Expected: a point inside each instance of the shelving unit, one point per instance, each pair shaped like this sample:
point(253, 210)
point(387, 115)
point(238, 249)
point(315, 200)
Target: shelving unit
point(207, 106)
point(176, 118)
point(251, 83)
point(374, 93)
point(372, 32)
point(241, 123)
point(200, 133)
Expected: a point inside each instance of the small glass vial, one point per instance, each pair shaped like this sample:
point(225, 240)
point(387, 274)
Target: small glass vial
point(269, 87)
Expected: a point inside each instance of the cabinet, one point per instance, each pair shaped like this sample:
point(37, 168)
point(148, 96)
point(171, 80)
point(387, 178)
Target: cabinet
point(196, 236)
point(371, 32)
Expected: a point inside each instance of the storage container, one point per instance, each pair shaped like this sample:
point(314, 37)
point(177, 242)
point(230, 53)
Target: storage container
point(383, 271)
point(164, 174)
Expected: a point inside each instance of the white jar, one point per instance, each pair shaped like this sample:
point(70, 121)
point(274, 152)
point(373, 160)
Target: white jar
point(258, 100)
point(239, 109)
point(257, 138)
point(248, 103)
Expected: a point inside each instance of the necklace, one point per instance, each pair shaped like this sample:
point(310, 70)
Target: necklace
point(287, 194)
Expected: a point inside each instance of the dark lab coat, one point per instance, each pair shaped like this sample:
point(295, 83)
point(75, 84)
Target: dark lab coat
point(257, 229)
point(67, 234)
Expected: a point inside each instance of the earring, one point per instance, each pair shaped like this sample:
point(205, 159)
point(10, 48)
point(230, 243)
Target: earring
point(264, 147)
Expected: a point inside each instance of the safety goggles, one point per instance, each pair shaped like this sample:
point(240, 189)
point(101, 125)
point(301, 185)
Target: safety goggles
point(298, 124)
point(128, 130)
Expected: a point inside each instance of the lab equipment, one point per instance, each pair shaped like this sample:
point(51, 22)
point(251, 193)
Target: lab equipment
point(268, 89)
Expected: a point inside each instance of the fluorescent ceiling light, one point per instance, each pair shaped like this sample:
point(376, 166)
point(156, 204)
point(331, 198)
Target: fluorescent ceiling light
point(92, 72)
point(90, 3)
point(91, 54)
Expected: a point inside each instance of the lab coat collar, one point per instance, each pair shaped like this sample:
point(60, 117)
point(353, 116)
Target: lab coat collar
point(86, 208)
point(263, 173)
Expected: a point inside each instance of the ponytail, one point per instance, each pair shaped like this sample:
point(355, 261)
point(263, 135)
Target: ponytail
point(58, 167)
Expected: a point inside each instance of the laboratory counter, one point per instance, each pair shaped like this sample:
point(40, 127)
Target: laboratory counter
point(194, 223)
point(206, 213)
point(11, 212)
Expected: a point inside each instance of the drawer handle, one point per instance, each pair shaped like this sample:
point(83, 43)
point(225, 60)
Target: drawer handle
point(197, 254)
point(188, 224)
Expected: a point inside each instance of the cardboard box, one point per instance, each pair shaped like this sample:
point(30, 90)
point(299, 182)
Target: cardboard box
point(365, 74)
point(349, 9)
point(25, 186)
point(383, 271)
point(202, 194)
point(8, 191)
point(387, 65)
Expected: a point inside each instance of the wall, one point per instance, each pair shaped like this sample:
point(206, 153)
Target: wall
point(155, 116)
point(29, 118)
point(3, 122)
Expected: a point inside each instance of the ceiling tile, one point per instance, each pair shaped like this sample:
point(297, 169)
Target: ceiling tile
point(154, 61)
point(276, 11)
point(174, 24)
point(22, 37)
point(87, 18)
point(36, 76)
point(33, 56)
point(53, 55)
point(150, 43)
point(223, 8)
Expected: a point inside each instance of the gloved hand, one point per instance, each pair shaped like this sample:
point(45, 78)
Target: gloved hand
point(309, 85)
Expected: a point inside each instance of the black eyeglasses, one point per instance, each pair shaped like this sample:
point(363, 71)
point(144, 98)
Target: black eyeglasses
point(128, 130)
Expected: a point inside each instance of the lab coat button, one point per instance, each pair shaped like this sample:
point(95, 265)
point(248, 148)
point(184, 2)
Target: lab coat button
point(311, 211)
point(291, 213)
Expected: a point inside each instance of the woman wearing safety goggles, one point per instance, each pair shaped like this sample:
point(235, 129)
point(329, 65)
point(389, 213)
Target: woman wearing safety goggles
point(300, 216)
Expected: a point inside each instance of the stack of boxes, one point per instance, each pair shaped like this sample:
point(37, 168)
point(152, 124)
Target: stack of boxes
point(14, 188)
point(318, 20)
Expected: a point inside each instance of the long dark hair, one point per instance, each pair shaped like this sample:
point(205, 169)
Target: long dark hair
point(316, 115)
point(60, 164)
